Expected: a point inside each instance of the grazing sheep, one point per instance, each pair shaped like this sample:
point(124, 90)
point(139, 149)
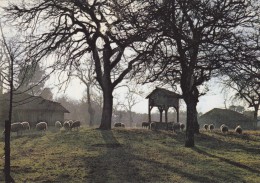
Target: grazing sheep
point(211, 127)
point(17, 127)
point(224, 128)
point(206, 126)
point(41, 126)
point(119, 125)
point(66, 125)
point(75, 124)
point(182, 126)
point(176, 126)
point(238, 129)
point(153, 126)
point(145, 124)
point(26, 125)
point(70, 122)
point(58, 124)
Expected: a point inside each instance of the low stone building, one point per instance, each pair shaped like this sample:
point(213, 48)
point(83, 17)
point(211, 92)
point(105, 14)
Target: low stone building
point(228, 117)
point(31, 108)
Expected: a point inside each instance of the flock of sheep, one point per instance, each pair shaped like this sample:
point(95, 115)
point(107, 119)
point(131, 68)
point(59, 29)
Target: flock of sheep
point(170, 126)
point(19, 127)
point(180, 126)
point(223, 128)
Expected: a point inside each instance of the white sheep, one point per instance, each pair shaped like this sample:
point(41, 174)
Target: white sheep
point(41, 126)
point(182, 126)
point(238, 129)
point(17, 127)
point(75, 124)
point(206, 126)
point(66, 125)
point(224, 128)
point(211, 127)
point(26, 125)
point(58, 124)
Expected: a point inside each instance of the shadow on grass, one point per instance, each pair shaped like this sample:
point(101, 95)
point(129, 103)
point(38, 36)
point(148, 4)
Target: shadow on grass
point(119, 164)
point(226, 160)
point(222, 144)
point(113, 165)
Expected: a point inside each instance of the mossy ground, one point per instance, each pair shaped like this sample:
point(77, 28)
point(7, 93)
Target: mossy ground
point(133, 155)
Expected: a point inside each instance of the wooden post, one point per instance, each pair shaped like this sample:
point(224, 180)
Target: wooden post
point(161, 111)
point(166, 114)
point(177, 110)
point(149, 112)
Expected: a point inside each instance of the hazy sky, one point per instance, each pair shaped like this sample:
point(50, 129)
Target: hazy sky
point(213, 99)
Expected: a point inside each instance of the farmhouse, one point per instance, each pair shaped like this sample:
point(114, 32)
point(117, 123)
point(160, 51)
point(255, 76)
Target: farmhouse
point(31, 108)
point(225, 116)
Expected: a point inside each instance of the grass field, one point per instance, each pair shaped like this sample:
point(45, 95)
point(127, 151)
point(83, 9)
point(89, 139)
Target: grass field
point(133, 155)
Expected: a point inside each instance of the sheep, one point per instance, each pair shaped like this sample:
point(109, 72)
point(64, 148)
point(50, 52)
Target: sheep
point(238, 129)
point(176, 126)
point(26, 125)
point(70, 122)
point(75, 124)
point(211, 127)
point(145, 124)
point(182, 126)
point(66, 125)
point(119, 125)
point(17, 127)
point(58, 124)
point(224, 128)
point(153, 126)
point(206, 126)
point(41, 126)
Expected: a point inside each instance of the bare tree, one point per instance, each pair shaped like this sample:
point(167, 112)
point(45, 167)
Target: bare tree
point(194, 40)
point(246, 89)
point(31, 79)
point(243, 75)
point(85, 72)
point(107, 29)
point(130, 101)
point(11, 53)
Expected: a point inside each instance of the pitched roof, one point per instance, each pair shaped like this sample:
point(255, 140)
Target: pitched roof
point(24, 101)
point(164, 92)
point(225, 116)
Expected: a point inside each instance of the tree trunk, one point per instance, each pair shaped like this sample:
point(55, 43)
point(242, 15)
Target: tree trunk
point(196, 123)
point(255, 115)
point(191, 120)
point(91, 111)
point(131, 118)
point(7, 168)
point(191, 100)
point(107, 108)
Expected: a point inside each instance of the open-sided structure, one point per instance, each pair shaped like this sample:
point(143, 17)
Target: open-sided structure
point(163, 99)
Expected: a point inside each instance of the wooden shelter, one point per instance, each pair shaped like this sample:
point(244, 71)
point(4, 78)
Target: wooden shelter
point(32, 109)
point(163, 99)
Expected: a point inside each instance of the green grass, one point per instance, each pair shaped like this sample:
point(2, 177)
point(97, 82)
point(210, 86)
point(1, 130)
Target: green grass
point(133, 155)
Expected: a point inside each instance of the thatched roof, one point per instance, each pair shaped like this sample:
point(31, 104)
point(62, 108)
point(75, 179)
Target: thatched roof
point(24, 101)
point(225, 116)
